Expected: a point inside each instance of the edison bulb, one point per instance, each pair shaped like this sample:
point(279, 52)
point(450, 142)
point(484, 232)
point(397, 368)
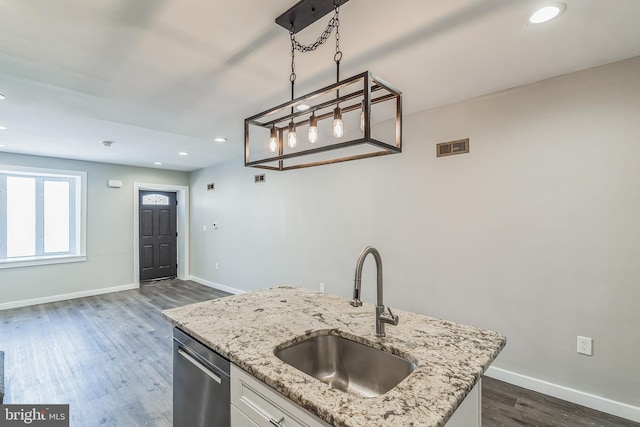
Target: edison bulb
point(338, 124)
point(273, 140)
point(292, 140)
point(273, 144)
point(313, 129)
point(313, 134)
point(338, 128)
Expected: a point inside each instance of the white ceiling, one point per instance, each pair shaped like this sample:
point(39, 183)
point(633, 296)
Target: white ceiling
point(162, 76)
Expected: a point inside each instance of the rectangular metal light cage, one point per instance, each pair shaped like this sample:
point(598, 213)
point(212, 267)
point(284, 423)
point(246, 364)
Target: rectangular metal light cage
point(372, 117)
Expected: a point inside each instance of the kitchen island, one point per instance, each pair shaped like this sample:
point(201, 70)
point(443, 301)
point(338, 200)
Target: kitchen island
point(450, 358)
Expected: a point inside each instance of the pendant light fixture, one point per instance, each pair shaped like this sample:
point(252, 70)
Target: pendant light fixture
point(348, 103)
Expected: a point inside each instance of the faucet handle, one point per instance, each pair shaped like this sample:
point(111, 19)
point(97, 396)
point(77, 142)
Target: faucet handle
point(390, 318)
point(395, 318)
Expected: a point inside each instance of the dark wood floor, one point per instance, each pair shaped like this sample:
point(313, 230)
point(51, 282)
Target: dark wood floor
point(506, 405)
point(109, 357)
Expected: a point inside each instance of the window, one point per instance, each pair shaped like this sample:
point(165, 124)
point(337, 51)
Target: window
point(155, 199)
point(42, 216)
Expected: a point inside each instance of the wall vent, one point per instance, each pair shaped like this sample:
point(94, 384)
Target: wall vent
point(258, 178)
point(450, 148)
point(211, 186)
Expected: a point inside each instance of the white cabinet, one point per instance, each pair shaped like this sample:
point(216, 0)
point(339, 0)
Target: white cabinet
point(238, 419)
point(469, 413)
point(253, 403)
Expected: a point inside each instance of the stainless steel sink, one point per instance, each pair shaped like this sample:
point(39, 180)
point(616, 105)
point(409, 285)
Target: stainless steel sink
point(347, 365)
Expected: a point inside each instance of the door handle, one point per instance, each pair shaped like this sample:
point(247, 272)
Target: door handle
point(199, 365)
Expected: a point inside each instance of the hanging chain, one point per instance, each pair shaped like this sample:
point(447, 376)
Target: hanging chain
point(336, 19)
point(292, 77)
point(333, 23)
point(338, 55)
point(323, 38)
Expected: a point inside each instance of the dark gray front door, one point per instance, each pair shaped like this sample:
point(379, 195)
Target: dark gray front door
point(158, 238)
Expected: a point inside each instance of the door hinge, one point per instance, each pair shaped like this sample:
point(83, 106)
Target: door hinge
point(176, 202)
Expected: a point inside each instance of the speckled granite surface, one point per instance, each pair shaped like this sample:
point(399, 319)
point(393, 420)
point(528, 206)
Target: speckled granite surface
point(246, 328)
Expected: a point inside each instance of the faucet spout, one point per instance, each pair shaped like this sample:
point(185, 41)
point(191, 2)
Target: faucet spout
point(380, 316)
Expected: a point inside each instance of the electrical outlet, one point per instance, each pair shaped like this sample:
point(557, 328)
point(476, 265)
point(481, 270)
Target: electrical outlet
point(585, 345)
point(322, 288)
point(204, 227)
point(215, 225)
point(216, 265)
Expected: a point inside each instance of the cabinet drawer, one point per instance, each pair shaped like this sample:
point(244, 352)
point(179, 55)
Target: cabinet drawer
point(265, 406)
point(238, 419)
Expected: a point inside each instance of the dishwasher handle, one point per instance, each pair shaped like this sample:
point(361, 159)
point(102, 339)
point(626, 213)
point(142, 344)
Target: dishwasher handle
point(199, 365)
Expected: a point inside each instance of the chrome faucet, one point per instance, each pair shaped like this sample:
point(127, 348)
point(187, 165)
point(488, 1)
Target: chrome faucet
point(381, 316)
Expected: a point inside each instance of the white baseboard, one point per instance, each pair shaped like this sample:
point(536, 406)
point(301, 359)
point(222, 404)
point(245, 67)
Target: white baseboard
point(592, 401)
point(64, 297)
point(217, 285)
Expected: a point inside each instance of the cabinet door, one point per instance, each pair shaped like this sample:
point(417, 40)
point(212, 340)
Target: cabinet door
point(238, 419)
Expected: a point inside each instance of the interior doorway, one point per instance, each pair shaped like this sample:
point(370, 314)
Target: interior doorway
point(158, 239)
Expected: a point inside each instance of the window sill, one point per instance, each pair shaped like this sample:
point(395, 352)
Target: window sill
point(41, 260)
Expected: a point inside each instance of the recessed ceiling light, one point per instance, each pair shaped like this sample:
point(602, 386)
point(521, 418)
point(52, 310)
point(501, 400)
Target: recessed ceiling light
point(3, 128)
point(107, 143)
point(157, 163)
point(2, 97)
point(219, 139)
point(302, 107)
point(183, 153)
point(547, 13)
point(2, 145)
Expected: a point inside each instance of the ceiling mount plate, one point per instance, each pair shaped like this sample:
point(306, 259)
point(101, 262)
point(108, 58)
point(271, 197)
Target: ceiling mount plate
point(305, 13)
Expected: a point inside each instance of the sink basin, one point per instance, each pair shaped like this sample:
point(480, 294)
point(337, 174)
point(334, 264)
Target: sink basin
point(346, 365)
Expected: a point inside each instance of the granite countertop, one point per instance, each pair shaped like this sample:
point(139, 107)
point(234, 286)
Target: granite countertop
point(246, 328)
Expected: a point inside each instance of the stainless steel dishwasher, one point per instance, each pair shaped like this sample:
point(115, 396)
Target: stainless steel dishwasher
point(201, 387)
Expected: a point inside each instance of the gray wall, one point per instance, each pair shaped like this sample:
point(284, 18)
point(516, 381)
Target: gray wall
point(534, 233)
point(109, 232)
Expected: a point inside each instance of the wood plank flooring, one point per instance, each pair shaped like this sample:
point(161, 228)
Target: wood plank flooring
point(109, 357)
point(506, 405)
